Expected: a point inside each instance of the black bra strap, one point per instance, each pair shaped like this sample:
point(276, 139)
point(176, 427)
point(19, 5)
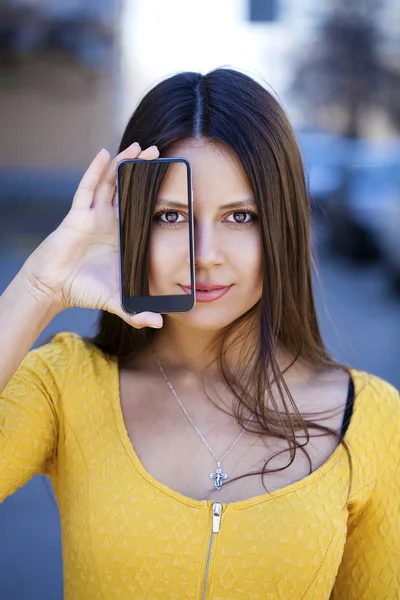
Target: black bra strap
point(349, 408)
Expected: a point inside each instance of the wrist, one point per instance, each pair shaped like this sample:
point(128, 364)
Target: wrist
point(31, 286)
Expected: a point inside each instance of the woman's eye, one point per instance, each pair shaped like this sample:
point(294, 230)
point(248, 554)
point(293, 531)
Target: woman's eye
point(171, 217)
point(241, 217)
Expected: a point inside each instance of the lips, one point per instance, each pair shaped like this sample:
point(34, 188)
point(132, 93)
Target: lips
point(207, 292)
point(206, 287)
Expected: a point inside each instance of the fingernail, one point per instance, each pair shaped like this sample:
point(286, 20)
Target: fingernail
point(134, 145)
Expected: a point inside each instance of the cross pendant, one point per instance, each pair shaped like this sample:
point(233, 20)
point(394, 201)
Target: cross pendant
point(218, 477)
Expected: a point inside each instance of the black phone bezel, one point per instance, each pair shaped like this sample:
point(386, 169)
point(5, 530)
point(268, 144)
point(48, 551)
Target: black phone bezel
point(158, 304)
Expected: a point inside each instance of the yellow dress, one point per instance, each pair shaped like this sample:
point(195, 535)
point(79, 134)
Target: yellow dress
point(126, 536)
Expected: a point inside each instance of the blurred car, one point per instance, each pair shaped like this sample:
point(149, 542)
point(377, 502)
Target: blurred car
point(323, 155)
point(389, 240)
point(364, 220)
point(355, 186)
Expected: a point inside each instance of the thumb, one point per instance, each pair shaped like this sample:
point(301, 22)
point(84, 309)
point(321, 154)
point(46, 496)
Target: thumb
point(138, 321)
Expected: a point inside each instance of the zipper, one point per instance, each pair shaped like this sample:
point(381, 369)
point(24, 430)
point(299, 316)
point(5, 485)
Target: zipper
point(215, 527)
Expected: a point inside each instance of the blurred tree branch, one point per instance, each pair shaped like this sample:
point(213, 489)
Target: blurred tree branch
point(344, 69)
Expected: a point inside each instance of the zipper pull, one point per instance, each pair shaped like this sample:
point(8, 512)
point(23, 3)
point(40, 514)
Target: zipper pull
point(216, 520)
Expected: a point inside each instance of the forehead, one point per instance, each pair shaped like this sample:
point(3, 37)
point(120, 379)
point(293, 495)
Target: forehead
point(216, 171)
point(175, 180)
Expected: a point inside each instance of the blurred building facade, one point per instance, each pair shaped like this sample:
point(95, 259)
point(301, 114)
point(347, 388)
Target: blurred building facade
point(57, 82)
point(73, 71)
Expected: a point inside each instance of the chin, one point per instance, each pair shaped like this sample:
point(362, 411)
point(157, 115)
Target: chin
point(205, 320)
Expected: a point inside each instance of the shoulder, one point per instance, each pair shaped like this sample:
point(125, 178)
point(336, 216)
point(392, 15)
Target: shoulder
point(373, 436)
point(64, 356)
point(375, 423)
point(379, 398)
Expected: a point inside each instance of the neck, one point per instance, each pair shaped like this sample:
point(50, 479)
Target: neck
point(179, 346)
point(189, 349)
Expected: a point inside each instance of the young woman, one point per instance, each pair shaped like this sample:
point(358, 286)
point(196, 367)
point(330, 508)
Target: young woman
point(217, 453)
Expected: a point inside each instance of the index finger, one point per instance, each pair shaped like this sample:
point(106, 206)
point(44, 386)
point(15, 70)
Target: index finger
point(84, 194)
point(105, 192)
point(106, 187)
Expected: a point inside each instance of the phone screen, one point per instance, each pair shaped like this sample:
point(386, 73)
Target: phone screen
point(156, 235)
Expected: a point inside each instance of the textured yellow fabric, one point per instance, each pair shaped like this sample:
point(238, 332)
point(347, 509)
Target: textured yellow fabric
point(127, 536)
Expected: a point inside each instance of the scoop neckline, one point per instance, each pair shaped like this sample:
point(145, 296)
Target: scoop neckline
point(356, 376)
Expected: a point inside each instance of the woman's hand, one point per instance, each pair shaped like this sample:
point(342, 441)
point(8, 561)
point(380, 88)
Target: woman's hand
point(78, 264)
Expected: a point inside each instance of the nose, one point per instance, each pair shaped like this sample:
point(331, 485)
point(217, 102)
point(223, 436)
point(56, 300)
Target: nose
point(207, 250)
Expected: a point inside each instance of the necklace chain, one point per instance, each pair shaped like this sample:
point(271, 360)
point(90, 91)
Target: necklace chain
point(218, 476)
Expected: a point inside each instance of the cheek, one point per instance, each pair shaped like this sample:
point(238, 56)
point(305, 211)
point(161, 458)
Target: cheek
point(245, 255)
point(251, 272)
point(170, 256)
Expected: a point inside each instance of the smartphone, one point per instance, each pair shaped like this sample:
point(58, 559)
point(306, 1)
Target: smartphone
point(156, 247)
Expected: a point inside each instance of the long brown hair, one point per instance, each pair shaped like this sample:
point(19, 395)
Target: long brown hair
point(139, 183)
point(229, 107)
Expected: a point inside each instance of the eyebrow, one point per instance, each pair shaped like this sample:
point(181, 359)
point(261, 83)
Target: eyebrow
point(239, 204)
point(230, 206)
point(170, 204)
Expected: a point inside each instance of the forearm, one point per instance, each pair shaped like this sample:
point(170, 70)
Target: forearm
point(24, 313)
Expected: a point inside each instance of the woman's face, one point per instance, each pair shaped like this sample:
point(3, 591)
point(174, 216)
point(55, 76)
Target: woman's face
point(226, 236)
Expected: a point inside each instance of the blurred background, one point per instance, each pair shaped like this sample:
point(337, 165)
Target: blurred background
point(71, 73)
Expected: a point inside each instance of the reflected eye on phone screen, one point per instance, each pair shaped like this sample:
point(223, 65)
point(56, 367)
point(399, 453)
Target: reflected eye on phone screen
point(170, 218)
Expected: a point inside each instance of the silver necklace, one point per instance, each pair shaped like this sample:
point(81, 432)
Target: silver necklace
point(218, 476)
